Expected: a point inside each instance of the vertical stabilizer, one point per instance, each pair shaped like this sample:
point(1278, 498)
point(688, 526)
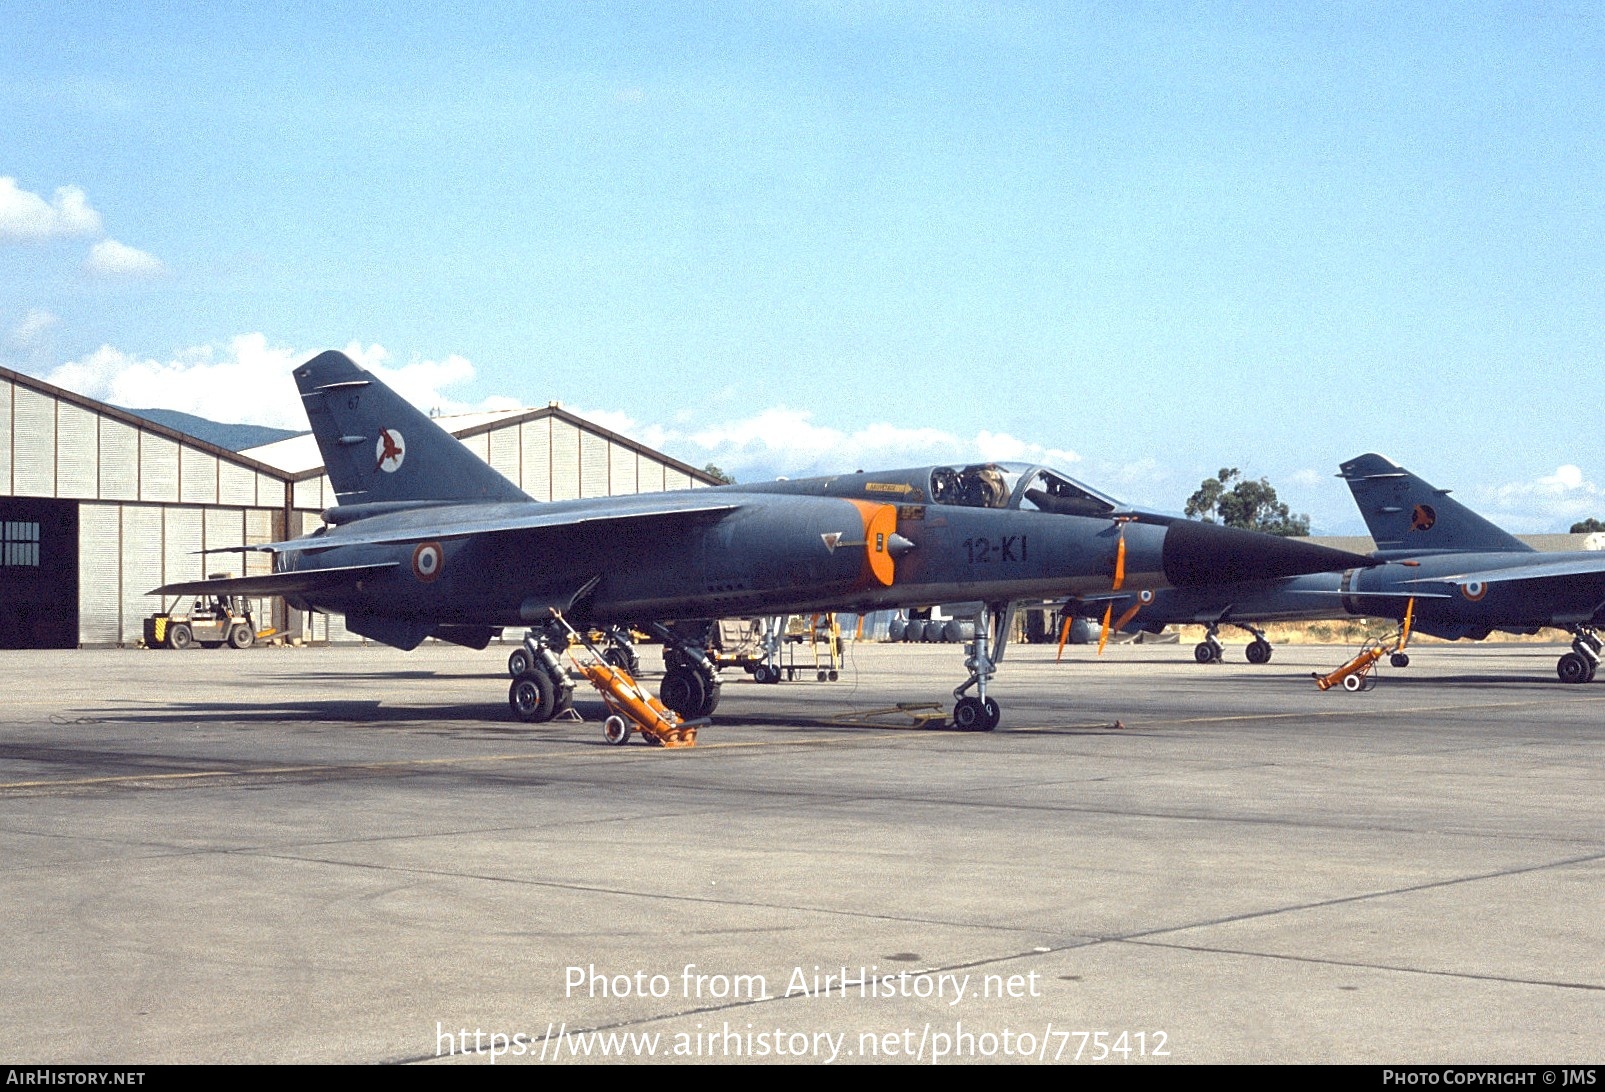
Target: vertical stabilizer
point(378, 448)
point(1405, 513)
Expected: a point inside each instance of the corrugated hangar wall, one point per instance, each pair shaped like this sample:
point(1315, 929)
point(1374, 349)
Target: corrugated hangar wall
point(143, 500)
point(98, 506)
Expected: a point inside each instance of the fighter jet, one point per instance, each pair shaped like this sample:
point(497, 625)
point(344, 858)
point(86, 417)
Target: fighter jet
point(1467, 578)
point(427, 540)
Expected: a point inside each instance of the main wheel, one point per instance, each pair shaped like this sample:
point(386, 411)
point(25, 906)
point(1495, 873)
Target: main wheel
point(1353, 683)
point(1204, 653)
point(710, 698)
point(683, 691)
point(1259, 652)
point(1399, 659)
point(521, 662)
point(241, 637)
point(616, 730)
point(1572, 668)
point(623, 659)
point(532, 698)
point(180, 637)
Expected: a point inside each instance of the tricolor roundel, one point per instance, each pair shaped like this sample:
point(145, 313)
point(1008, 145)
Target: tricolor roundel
point(1474, 590)
point(427, 561)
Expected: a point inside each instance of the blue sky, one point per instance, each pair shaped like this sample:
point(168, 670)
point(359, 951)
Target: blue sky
point(1143, 241)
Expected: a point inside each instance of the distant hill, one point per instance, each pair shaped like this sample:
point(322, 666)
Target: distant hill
point(232, 437)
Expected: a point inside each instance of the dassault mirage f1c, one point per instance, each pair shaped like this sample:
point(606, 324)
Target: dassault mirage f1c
point(427, 540)
point(1466, 576)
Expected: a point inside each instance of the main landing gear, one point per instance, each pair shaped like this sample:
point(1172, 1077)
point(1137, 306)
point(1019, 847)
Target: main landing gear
point(619, 653)
point(1209, 650)
point(1579, 665)
point(541, 689)
point(977, 712)
point(690, 681)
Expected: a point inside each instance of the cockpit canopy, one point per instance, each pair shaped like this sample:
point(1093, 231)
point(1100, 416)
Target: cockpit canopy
point(1015, 485)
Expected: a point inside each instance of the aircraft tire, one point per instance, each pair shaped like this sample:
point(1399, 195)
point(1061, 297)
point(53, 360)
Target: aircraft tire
point(974, 715)
point(531, 698)
point(1204, 653)
point(1399, 659)
point(520, 662)
point(1259, 652)
point(683, 691)
point(241, 637)
point(710, 700)
point(623, 659)
point(181, 637)
point(1572, 668)
point(616, 730)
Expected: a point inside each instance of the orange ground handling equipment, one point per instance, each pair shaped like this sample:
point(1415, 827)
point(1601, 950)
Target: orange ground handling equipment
point(630, 706)
point(1358, 674)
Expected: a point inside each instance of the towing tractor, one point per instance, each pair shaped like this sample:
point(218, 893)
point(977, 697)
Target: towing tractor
point(211, 622)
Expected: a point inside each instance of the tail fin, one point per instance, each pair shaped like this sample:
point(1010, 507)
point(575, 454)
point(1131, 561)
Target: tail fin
point(1405, 513)
point(377, 448)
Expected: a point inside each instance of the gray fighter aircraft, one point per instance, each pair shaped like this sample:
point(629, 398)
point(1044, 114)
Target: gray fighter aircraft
point(1467, 577)
point(427, 540)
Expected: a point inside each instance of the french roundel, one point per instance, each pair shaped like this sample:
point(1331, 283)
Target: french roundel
point(1145, 597)
point(427, 561)
point(1474, 590)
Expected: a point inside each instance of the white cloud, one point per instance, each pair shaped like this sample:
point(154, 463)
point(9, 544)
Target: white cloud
point(784, 441)
point(109, 258)
point(249, 382)
point(25, 215)
point(1552, 502)
point(27, 332)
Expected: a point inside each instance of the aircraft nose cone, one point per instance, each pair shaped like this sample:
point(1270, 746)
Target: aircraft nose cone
point(1197, 553)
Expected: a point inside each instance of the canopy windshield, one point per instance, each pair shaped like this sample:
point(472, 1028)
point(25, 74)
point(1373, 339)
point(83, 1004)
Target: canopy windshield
point(1015, 485)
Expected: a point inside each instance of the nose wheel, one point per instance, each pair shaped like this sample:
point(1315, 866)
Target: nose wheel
point(977, 712)
point(974, 714)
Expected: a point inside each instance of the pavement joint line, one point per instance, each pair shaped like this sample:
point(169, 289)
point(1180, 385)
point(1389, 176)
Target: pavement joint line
point(1365, 896)
point(1360, 965)
point(407, 764)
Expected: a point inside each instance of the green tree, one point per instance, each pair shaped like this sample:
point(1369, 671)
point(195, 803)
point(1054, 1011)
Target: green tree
point(714, 472)
point(1587, 526)
point(1251, 505)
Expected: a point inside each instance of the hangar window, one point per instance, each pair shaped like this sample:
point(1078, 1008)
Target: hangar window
point(20, 548)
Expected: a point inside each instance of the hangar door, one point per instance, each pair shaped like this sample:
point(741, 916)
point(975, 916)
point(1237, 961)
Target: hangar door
point(38, 573)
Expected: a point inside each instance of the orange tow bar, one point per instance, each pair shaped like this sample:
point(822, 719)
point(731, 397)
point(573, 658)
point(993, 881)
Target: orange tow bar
point(629, 705)
point(1357, 673)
